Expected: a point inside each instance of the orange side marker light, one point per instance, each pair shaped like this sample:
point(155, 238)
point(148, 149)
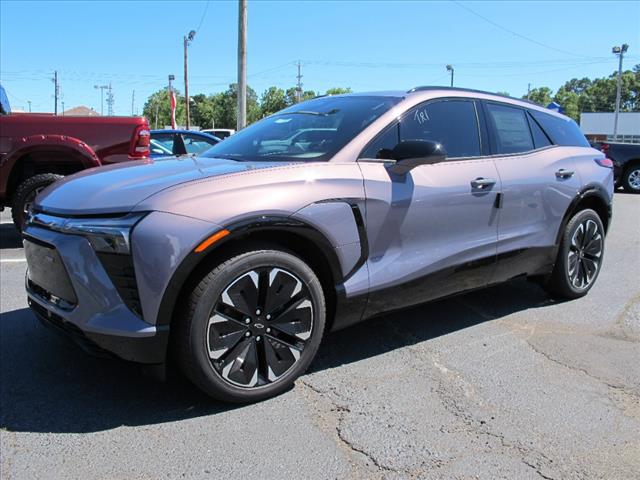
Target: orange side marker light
point(211, 240)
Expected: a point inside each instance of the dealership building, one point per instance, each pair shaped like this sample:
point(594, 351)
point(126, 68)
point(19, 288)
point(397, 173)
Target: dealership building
point(599, 126)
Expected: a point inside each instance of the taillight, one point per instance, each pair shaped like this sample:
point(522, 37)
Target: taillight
point(141, 143)
point(604, 162)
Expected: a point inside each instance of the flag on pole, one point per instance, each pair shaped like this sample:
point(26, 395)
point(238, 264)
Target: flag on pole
point(172, 97)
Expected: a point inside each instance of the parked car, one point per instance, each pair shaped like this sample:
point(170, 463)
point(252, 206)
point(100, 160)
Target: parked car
point(38, 149)
point(220, 133)
point(238, 261)
point(626, 163)
point(180, 142)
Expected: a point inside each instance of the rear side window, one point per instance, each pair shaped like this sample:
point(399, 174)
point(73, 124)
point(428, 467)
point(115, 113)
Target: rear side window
point(511, 129)
point(561, 131)
point(540, 138)
point(452, 123)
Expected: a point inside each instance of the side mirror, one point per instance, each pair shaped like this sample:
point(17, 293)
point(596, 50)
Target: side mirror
point(409, 154)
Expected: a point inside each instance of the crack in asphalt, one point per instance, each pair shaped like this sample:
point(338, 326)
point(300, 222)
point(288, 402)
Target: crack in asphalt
point(337, 411)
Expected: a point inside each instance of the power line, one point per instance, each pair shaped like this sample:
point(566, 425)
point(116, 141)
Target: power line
point(528, 39)
point(204, 14)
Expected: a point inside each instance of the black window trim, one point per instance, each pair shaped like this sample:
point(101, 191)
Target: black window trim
point(483, 131)
point(492, 133)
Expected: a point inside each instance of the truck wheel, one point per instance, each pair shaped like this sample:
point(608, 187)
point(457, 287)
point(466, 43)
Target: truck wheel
point(26, 193)
point(631, 178)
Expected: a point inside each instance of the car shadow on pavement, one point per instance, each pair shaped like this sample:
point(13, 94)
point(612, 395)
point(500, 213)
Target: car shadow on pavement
point(9, 236)
point(50, 385)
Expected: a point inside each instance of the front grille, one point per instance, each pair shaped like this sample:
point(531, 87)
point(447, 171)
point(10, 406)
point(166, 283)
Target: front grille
point(122, 274)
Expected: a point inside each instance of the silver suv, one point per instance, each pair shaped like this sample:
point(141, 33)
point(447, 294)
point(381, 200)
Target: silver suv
point(332, 211)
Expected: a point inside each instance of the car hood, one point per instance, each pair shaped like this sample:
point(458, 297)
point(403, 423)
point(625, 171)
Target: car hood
point(119, 188)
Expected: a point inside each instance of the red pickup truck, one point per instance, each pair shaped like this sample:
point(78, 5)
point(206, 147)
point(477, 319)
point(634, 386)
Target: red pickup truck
point(38, 149)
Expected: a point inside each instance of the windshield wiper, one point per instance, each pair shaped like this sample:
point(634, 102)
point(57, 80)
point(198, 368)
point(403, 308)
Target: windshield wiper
point(309, 112)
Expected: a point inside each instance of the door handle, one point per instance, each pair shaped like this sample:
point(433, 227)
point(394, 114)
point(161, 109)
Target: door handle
point(562, 173)
point(483, 183)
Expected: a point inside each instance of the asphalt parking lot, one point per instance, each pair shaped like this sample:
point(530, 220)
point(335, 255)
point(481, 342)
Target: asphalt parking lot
point(500, 383)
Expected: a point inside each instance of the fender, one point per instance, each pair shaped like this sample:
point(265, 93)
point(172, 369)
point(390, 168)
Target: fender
point(46, 143)
point(238, 231)
point(591, 190)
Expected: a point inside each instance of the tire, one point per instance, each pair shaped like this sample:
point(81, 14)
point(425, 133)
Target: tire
point(579, 257)
point(26, 193)
point(220, 338)
point(631, 178)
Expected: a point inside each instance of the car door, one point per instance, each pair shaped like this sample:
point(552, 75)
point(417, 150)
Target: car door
point(539, 181)
point(433, 231)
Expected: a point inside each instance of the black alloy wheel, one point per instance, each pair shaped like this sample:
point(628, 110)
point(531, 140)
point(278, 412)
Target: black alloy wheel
point(251, 326)
point(259, 327)
point(579, 258)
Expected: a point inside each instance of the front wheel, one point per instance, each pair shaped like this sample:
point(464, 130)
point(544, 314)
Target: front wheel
point(579, 256)
point(251, 326)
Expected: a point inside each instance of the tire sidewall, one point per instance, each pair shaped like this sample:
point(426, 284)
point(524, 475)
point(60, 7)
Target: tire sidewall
point(626, 184)
point(214, 384)
point(24, 190)
point(563, 253)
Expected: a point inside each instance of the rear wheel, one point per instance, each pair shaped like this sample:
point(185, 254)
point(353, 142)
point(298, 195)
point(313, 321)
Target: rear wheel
point(26, 193)
point(251, 326)
point(579, 256)
point(631, 178)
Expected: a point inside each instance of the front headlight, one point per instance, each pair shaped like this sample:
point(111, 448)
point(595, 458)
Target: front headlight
point(107, 234)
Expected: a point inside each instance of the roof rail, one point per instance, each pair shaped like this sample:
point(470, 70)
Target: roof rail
point(470, 90)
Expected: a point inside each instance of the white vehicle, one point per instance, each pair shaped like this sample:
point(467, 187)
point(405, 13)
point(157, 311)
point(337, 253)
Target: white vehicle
point(221, 133)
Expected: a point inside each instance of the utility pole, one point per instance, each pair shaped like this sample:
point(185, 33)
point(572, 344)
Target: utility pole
point(102, 89)
point(620, 51)
point(110, 100)
point(29, 102)
point(133, 101)
point(528, 90)
point(187, 41)
point(299, 84)
point(63, 108)
point(242, 64)
point(450, 69)
point(56, 91)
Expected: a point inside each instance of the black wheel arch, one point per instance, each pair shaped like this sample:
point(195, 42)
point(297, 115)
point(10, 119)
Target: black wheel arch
point(592, 196)
point(278, 231)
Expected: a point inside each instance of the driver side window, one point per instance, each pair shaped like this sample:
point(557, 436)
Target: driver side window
point(382, 145)
point(452, 123)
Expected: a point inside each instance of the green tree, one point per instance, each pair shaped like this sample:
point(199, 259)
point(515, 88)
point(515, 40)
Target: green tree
point(569, 102)
point(541, 96)
point(273, 100)
point(157, 109)
point(306, 95)
point(338, 90)
point(506, 94)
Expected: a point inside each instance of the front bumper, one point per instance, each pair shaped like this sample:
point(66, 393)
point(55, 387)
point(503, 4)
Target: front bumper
point(100, 321)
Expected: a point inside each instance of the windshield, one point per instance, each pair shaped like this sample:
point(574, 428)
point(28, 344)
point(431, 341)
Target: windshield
point(310, 131)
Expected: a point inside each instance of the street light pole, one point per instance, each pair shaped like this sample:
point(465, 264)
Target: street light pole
point(187, 40)
point(620, 51)
point(450, 69)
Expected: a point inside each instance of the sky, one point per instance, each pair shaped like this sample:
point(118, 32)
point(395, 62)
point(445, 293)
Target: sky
point(365, 45)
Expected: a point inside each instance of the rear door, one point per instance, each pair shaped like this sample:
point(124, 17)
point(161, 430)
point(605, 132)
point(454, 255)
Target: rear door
point(433, 231)
point(539, 181)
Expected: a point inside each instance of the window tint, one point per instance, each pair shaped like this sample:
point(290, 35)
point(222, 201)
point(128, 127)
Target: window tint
point(452, 123)
point(327, 124)
point(540, 138)
point(511, 130)
point(382, 144)
point(561, 131)
point(195, 144)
